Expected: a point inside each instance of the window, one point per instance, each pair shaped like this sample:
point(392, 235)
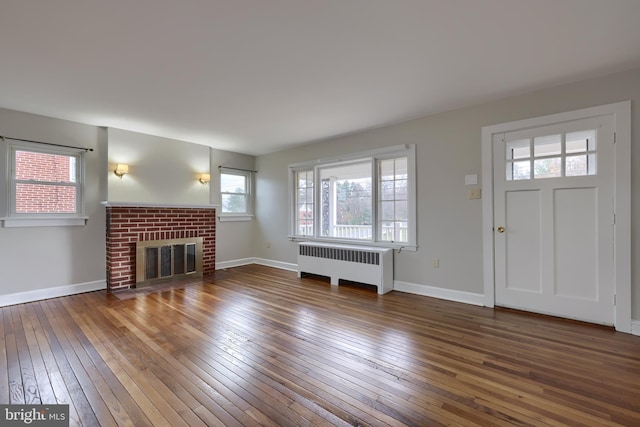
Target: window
point(367, 198)
point(554, 156)
point(235, 192)
point(45, 184)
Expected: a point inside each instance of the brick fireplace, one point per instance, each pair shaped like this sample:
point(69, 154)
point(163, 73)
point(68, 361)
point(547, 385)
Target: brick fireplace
point(127, 225)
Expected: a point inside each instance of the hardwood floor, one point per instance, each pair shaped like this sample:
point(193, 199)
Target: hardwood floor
point(258, 346)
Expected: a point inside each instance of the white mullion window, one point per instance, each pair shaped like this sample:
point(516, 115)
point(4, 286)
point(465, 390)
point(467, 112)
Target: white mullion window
point(366, 198)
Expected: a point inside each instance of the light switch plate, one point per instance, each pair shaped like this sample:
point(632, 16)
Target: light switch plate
point(471, 179)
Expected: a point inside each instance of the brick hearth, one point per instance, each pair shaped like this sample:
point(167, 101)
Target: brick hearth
point(128, 224)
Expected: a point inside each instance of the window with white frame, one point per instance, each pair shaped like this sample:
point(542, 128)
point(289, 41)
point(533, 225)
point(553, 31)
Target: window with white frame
point(45, 183)
point(365, 197)
point(235, 192)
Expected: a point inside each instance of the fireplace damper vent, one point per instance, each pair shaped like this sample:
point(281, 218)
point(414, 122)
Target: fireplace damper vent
point(158, 260)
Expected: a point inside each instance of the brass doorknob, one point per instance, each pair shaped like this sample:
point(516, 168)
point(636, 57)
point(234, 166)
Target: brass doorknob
point(500, 229)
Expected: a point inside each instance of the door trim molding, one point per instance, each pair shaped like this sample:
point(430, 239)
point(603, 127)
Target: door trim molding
point(621, 113)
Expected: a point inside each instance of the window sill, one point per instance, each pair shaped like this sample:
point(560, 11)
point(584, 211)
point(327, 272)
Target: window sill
point(235, 218)
point(396, 246)
point(43, 222)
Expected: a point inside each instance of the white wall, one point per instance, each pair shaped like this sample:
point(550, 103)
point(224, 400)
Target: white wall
point(165, 171)
point(37, 258)
point(234, 240)
point(161, 170)
point(448, 148)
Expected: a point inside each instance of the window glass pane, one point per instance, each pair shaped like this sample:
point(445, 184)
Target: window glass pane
point(387, 190)
point(401, 189)
point(394, 231)
point(519, 170)
point(44, 167)
point(519, 149)
point(234, 203)
point(576, 165)
point(550, 145)
point(346, 196)
point(391, 169)
point(576, 146)
point(547, 168)
point(401, 210)
point(387, 211)
point(40, 198)
point(591, 164)
point(579, 142)
point(231, 183)
point(387, 170)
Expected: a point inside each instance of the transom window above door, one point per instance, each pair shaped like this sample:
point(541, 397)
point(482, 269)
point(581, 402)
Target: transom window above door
point(552, 156)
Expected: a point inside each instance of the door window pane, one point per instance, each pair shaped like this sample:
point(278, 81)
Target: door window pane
point(579, 142)
point(519, 149)
point(519, 170)
point(547, 168)
point(550, 145)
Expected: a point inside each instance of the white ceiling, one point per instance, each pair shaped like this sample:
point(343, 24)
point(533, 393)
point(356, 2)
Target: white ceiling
point(257, 76)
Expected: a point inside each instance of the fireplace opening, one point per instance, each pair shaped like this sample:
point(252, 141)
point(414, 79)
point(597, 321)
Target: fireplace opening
point(160, 260)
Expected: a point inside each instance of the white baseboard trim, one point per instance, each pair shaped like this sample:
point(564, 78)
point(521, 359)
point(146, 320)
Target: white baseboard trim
point(276, 264)
point(234, 263)
point(412, 288)
point(58, 291)
point(261, 261)
point(635, 327)
point(441, 293)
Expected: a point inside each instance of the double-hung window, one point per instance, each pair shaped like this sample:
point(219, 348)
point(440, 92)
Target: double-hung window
point(364, 198)
point(236, 194)
point(46, 185)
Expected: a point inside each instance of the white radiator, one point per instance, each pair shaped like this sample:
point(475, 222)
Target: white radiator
point(373, 266)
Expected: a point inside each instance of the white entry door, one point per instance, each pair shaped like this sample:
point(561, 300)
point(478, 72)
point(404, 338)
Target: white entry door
point(553, 216)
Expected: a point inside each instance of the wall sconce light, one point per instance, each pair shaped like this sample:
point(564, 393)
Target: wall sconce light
point(204, 178)
point(121, 170)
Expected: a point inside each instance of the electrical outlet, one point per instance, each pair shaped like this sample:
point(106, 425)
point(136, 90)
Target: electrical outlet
point(435, 263)
point(268, 245)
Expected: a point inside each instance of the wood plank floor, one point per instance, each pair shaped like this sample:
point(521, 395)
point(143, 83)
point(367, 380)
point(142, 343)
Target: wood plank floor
point(254, 345)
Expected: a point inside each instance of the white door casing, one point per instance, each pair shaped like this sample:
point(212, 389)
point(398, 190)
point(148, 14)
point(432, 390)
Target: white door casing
point(560, 252)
